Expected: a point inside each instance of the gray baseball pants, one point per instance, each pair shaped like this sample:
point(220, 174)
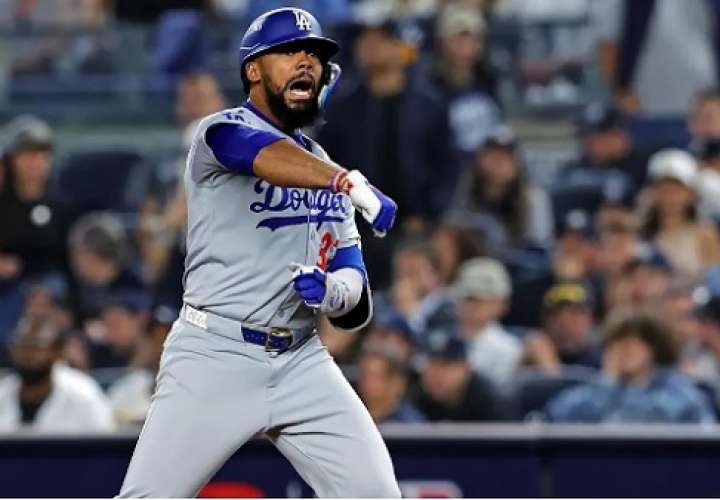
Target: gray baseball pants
point(215, 391)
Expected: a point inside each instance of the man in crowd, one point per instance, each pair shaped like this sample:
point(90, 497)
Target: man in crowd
point(567, 336)
point(398, 133)
point(639, 382)
point(43, 398)
point(97, 255)
point(450, 389)
point(483, 290)
point(382, 386)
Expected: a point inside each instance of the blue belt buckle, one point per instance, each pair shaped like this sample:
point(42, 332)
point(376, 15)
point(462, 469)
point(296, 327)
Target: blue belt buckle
point(284, 335)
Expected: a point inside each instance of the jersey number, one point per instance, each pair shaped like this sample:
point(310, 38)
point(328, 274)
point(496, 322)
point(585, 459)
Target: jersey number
point(326, 243)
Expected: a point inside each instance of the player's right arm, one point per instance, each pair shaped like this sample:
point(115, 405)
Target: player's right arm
point(280, 162)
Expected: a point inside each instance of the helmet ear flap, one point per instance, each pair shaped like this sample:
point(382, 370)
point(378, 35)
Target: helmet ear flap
point(331, 75)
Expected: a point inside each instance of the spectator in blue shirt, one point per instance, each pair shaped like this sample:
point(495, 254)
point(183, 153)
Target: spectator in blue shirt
point(638, 382)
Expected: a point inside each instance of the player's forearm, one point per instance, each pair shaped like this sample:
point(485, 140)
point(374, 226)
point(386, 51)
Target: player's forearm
point(285, 164)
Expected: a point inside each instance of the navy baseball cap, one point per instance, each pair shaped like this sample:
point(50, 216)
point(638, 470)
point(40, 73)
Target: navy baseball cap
point(650, 257)
point(134, 301)
point(578, 221)
point(501, 137)
point(392, 320)
point(599, 117)
point(705, 149)
point(445, 344)
point(709, 311)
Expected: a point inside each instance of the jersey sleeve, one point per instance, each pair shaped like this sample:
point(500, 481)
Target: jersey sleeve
point(235, 146)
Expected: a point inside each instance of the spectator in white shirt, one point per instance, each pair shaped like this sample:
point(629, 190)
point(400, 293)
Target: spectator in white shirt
point(483, 290)
point(41, 397)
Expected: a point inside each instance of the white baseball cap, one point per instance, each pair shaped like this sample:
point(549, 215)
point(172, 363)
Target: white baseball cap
point(483, 277)
point(673, 164)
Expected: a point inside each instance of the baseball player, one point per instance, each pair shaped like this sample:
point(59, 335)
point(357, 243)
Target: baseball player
point(272, 245)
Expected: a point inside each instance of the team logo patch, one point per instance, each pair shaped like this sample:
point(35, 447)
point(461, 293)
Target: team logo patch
point(302, 22)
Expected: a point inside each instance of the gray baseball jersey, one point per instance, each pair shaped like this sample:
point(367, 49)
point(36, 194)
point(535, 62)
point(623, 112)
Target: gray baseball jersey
point(242, 233)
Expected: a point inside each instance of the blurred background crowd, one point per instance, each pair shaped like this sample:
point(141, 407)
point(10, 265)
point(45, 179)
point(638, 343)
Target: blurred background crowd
point(556, 162)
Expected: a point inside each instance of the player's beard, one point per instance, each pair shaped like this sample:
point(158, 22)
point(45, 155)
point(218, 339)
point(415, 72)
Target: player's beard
point(33, 375)
point(291, 118)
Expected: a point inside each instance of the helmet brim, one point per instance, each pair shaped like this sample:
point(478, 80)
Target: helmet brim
point(325, 47)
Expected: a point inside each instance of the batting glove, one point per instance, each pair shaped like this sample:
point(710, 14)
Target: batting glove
point(375, 207)
point(318, 289)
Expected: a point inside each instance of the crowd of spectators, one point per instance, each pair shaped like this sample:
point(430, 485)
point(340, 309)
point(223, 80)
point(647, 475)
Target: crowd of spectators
point(592, 298)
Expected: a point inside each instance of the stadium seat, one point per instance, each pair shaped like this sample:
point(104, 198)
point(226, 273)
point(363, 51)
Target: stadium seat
point(114, 180)
point(535, 388)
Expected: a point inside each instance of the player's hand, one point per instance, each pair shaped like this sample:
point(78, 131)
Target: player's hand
point(310, 282)
point(376, 208)
point(319, 289)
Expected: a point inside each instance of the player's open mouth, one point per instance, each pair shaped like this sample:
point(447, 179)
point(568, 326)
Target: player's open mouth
point(301, 88)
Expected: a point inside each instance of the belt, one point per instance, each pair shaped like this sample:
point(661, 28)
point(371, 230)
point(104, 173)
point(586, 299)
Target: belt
point(273, 339)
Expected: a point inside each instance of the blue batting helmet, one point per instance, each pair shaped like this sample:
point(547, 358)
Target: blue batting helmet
point(280, 27)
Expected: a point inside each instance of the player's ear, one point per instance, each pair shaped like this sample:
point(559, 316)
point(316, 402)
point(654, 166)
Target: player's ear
point(252, 72)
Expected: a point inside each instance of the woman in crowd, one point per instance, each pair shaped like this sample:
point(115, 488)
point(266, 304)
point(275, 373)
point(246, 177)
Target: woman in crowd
point(672, 219)
point(495, 196)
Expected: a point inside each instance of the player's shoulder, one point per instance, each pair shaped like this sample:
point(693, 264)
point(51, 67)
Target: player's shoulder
point(238, 116)
point(231, 116)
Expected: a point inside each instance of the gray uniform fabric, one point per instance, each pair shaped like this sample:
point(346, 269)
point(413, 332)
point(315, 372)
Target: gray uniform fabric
point(243, 232)
point(214, 390)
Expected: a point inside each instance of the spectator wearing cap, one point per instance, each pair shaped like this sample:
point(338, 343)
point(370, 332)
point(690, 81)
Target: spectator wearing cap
point(97, 256)
point(639, 382)
point(617, 206)
point(573, 258)
point(495, 195)
point(608, 151)
point(450, 389)
point(33, 224)
point(673, 221)
point(382, 385)
point(618, 244)
point(391, 332)
point(643, 282)
point(461, 71)
point(113, 341)
point(483, 292)
point(40, 396)
point(130, 394)
point(567, 336)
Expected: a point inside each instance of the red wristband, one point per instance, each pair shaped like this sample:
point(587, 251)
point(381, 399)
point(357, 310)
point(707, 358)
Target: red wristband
point(340, 183)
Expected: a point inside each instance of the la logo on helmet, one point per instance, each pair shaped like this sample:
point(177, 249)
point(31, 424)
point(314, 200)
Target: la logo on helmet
point(302, 22)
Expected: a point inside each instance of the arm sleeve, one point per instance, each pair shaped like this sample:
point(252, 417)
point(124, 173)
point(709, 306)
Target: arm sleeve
point(360, 315)
point(236, 146)
point(349, 257)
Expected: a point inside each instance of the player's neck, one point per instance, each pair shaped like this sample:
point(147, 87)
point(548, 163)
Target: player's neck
point(259, 102)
